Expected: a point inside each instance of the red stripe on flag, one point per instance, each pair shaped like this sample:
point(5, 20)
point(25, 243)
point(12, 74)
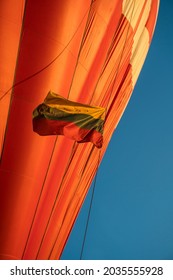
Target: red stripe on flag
point(45, 127)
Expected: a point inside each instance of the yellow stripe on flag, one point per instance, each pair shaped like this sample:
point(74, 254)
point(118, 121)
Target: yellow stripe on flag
point(56, 101)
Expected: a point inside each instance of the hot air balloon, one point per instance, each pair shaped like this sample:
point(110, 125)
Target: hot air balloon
point(89, 52)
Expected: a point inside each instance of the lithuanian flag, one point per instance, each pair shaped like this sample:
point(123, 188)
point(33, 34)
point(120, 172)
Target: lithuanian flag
point(59, 116)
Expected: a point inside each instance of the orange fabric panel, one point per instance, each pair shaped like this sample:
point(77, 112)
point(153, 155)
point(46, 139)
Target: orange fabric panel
point(83, 53)
point(10, 30)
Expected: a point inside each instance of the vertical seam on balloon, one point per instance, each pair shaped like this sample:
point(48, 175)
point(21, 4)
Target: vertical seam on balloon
point(135, 29)
point(59, 189)
point(108, 54)
point(112, 45)
point(105, 62)
point(14, 78)
point(118, 89)
point(88, 23)
point(118, 67)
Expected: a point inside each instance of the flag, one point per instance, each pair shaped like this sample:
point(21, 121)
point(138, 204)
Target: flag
point(77, 121)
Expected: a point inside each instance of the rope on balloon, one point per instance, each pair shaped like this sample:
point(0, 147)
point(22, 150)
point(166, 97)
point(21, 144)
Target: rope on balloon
point(90, 206)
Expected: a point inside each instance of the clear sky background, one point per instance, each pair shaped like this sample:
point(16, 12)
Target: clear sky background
point(132, 210)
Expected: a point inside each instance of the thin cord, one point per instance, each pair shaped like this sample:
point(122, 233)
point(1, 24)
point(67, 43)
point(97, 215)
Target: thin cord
point(90, 207)
point(118, 68)
point(88, 22)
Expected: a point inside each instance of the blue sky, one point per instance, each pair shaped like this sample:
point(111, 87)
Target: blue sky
point(132, 210)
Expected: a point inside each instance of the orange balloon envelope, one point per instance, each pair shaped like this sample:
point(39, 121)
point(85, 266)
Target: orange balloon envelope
point(86, 51)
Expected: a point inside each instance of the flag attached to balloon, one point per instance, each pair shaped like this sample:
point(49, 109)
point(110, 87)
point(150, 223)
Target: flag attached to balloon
point(60, 116)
